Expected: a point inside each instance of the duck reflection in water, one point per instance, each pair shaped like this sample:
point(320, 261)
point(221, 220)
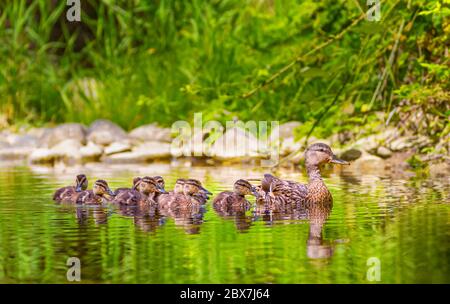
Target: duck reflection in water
point(100, 214)
point(145, 217)
point(317, 215)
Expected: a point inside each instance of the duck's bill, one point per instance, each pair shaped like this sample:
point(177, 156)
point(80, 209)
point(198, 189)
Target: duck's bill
point(161, 190)
point(206, 191)
point(338, 161)
point(110, 192)
point(255, 193)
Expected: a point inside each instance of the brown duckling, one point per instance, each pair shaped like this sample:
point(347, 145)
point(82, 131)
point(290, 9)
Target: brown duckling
point(99, 194)
point(136, 182)
point(164, 200)
point(193, 195)
point(70, 193)
point(284, 192)
point(236, 198)
point(143, 194)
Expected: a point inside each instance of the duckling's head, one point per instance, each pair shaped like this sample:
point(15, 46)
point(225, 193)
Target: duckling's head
point(179, 185)
point(101, 188)
point(136, 181)
point(192, 187)
point(160, 181)
point(198, 185)
point(150, 185)
point(320, 153)
point(81, 183)
point(243, 187)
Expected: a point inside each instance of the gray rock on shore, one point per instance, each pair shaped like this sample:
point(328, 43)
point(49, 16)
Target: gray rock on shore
point(104, 132)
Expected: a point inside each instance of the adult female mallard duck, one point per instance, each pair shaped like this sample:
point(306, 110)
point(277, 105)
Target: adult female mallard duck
point(99, 194)
point(70, 193)
point(286, 192)
point(236, 198)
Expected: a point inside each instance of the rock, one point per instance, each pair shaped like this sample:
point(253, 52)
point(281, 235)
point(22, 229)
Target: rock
point(143, 153)
point(289, 145)
point(371, 142)
point(383, 152)
point(401, 143)
point(37, 132)
point(54, 136)
point(368, 163)
point(351, 154)
point(91, 152)
point(151, 132)
point(439, 169)
point(43, 155)
point(22, 140)
point(67, 150)
point(236, 143)
point(14, 153)
point(285, 130)
point(104, 132)
point(117, 147)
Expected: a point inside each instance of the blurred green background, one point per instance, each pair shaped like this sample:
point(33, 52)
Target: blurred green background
point(142, 61)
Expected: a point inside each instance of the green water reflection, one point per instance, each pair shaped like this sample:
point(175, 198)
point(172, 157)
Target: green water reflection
point(404, 222)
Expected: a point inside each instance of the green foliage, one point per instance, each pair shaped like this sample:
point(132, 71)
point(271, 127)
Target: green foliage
point(144, 61)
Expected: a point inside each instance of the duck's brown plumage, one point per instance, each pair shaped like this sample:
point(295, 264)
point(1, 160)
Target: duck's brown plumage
point(282, 193)
point(236, 198)
point(186, 193)
point(98, 195)
point(142, 195)
point(71, 193)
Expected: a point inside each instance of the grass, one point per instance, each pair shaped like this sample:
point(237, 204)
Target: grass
point(137, 62)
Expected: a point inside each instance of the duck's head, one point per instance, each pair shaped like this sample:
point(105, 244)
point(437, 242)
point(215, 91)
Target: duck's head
point(150, 185)
point(101, 188)
point(81, 183)
point(195, 183)
point(160, 181)
point(243, 187)
point(179, 185)
point(136, 181)
point(320, 153)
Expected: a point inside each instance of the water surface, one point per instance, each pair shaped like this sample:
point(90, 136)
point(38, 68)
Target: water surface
point(404, 222)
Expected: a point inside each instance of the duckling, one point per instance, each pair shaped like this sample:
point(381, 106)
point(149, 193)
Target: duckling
point(70, 193)
point(192, 196)
point(162, 184)
point(164, 200)
point(202, 195)
point(143, 193)
point(136, 182)
point(236, 198)
point(98, 195)
point(285, 192)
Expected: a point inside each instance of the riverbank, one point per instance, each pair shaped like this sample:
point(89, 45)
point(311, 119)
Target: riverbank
point(103, 141)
